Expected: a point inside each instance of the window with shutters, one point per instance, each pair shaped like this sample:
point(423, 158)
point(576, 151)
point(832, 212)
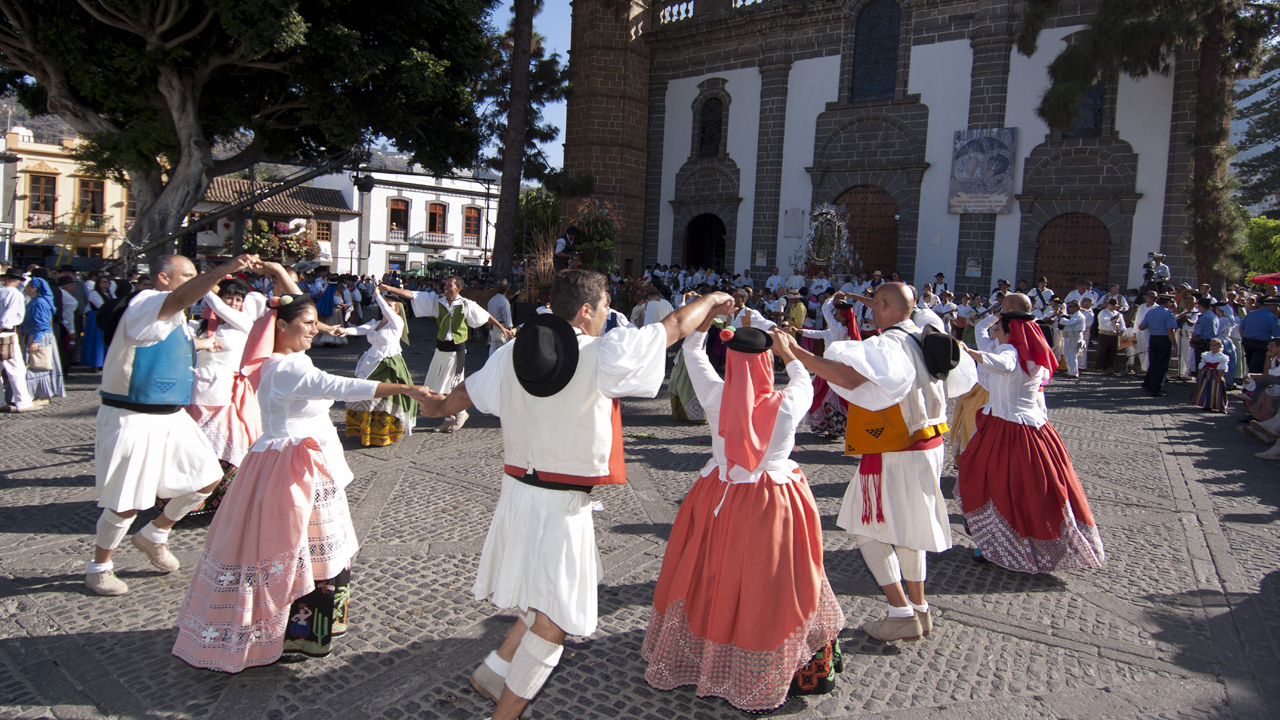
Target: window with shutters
point(398, 220)
point(42, 196)
point(471, 226)
point(876, 39)
point(437, 213)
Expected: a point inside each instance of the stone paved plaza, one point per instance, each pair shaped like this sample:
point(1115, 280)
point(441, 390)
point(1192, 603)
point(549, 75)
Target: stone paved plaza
point(1183, 621)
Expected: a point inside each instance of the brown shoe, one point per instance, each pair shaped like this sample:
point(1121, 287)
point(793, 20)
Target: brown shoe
point(159, 555)
point(105, 583)
point(1262, 430)
point(889, 629)
point(489, 684)
point(926, 622)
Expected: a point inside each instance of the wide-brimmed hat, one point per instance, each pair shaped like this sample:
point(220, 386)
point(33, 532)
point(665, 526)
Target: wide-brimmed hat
point(545, 355)
point(747, 340)
point(14, 274)
point(65, 280)
point(1017, 315)
point(794, 295)
point(877, 272)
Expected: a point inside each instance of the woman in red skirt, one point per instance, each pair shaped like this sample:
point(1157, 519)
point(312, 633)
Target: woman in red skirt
point(742, 602)
point(1022, 500)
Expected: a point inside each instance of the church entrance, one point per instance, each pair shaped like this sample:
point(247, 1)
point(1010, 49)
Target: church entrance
point(704, 242)
point(1072, 247)
point(873, 228)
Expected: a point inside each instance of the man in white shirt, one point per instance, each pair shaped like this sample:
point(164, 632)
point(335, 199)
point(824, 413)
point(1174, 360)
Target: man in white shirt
point(1072, 326)
point(774, 283)
point(1161, 271)
point(820, 284)
point(455, 316)
point(796, 281)
point(500, 308)
point(1041, 298)
point(1113, 293)
point(940, 284)
point(851, 285)
point(745, 279)
point(657, 308)
point(13, 310)
point(1002, 289)
point(1080, 293)
point(1144, 336)
point(540, 556)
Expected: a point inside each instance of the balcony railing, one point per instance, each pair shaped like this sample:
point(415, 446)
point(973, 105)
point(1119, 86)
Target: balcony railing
point(432, 239)
point(396, 235)
point(675, 10)
point(47, 140)
point(96, 224)
point(470, 241)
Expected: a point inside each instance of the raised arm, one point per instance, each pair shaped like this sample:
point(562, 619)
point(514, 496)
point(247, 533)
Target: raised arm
point(688, 318)
point(235, 318)
point(829, 370)
point(192, 290)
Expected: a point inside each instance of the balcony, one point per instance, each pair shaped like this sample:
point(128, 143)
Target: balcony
point(431, 239)
point(96, 224)
point(472, 241)
point(395, 235)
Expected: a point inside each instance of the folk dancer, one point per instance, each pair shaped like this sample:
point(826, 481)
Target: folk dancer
point(828, 410)
point(382, 421)
point(13, 311)
point(1021, 497)
point(742, 602)
point(540, 555)
point(1211, 385)
point(146, 446)
point(275, 573)
point(455, 316)
point(894, 506)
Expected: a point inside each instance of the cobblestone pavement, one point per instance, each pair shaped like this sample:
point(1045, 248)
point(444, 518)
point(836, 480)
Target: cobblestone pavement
point(1182, 622)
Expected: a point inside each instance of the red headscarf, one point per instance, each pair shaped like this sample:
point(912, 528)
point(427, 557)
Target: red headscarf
point(1026, 337)
point(748, 407)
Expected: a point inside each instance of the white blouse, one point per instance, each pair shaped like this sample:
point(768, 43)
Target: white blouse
point(295, 398)
point(988, 377)
point(215, 371)
point(384, 342)
point(797, 396)
point(1215, 357)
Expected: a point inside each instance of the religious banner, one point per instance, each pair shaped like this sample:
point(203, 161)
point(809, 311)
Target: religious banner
point(982, 171)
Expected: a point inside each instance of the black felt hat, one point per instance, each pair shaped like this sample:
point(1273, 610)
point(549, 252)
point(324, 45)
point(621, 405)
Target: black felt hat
point(1017, 315)
point(14, 273)
point(749, 340)
point(842, 305)
point(545, 355)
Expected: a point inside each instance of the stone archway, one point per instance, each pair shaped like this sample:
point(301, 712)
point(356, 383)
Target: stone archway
point(704, 242)
point(873, 228)
point(1072, 247)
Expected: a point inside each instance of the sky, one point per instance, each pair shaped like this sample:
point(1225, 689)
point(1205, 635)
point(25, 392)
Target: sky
point(553, 23)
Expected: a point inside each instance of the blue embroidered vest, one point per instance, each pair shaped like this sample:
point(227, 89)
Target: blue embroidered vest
point(163, 374)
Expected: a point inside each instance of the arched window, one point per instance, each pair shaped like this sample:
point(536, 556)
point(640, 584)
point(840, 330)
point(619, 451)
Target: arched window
point(710, 127)
point(875, 51)
point(471, 226)
point(436, 213)
point(1089, 114)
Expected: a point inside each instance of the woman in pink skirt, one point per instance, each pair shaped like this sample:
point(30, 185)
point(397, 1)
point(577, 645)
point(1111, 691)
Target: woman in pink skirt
point(275, 572)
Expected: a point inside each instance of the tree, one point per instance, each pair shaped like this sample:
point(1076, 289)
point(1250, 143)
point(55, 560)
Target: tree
point(1262, 250)
point(155, 85)
point(1138, 38)
point(548, 83)
point(1259, 103)
point(513, 139)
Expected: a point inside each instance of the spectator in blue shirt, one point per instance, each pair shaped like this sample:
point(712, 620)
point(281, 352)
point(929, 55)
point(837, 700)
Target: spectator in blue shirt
point(1160, 322)
point(1257, 328)
point(1205, 329)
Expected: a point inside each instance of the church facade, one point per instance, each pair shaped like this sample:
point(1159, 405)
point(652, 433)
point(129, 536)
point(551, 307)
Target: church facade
point(717, 126)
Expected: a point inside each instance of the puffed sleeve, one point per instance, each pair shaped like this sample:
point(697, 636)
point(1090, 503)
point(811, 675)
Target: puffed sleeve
point(485, 387)
point(1003, 360)
point(313, 382)
point(141, 324)
point(889, 371)
point(799, 389)
point(424, 304)
point(474, 313)
point(633, 361)
point(962, 377)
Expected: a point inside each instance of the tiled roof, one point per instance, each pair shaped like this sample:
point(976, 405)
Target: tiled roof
point(299, 202)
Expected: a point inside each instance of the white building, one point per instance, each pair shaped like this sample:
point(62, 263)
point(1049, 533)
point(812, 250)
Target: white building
point(405, 221)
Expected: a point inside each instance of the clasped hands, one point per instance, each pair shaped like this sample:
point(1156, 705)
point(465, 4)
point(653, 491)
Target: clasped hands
point(429, 401)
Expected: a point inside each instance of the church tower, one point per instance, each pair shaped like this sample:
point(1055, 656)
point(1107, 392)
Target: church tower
point(607, 115)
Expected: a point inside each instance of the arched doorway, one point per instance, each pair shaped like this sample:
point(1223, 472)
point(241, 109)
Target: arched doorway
point(873, 228)
point(1073, 247)
point(704, 242)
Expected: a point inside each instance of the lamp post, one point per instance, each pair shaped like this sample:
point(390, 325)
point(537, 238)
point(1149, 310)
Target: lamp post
point(351, 257)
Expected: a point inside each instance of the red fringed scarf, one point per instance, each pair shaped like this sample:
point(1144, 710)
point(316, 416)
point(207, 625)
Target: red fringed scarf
point(748, 408)
point(871, 468)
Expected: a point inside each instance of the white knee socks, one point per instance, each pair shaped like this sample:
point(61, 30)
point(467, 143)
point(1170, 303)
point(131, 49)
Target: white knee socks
point(535, 659)
point(177, 508)
point(111, 529)
point(890, 564)
point(912, 562)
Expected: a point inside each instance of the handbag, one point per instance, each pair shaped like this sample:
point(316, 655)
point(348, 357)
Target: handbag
point(40, 359)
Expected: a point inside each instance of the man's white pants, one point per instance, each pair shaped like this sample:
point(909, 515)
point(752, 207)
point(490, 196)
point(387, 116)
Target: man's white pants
point(15, 374)
point(1072, 347)
point(1144, 344)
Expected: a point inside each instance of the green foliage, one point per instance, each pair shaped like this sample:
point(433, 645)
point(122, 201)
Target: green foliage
point(149, 84)
point(598, 230)
point(565, 185)
point(1262, 248)
point(537, 220)
point(548, 83)
point(279, 241)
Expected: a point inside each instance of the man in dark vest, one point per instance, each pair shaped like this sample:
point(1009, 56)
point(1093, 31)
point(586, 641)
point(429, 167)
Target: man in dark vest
point(564, 249)
point(455, 316)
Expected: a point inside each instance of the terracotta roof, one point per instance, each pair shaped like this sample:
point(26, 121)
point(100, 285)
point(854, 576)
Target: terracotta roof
point(299, 202)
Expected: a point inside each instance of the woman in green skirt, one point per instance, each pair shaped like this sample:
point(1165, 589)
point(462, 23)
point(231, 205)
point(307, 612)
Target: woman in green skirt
point(382, 421)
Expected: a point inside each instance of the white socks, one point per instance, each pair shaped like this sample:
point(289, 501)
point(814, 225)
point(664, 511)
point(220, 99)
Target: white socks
point(111, 529)
point(154, 534)
point(535, 659)
point(901, 612)
point(177, 508)
point(919, 608)
point(497, 664)
point(99, 567)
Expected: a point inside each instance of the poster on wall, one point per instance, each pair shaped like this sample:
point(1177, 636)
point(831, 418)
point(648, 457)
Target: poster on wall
point(982, 171)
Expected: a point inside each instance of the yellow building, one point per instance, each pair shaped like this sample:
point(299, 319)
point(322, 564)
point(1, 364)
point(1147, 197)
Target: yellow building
point(54, 200)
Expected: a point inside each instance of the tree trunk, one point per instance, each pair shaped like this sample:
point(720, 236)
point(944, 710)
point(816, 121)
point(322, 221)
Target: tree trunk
point(514, 138)
point(1211, 224)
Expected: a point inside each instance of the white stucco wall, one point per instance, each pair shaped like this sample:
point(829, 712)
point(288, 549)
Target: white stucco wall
point(1148, 133)
point(743, 87)
point(810, 86)
point(940, 74)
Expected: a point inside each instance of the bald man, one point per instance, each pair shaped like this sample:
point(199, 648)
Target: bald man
point(894, 507)
point(146, 445)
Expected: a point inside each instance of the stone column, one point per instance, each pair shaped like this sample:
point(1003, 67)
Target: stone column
point(773, 121)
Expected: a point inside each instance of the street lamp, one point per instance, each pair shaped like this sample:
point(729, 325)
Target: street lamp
point(351, 257)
